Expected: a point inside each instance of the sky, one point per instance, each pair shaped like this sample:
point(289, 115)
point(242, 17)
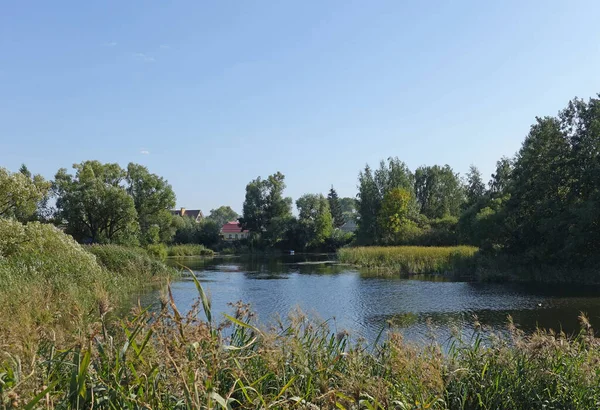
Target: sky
point(211, 95)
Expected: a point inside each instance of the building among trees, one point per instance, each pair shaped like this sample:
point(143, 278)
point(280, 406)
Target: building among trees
point(232, 231)
point(195, 214)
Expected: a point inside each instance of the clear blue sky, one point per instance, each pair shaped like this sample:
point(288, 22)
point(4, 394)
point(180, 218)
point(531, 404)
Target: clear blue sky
point(213, 94)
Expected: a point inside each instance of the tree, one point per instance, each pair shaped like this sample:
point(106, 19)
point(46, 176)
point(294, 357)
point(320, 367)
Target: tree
point(266, 211)
point(475, 189)
point(153, 197)
point(439, 191)
point(372, 188)
point(222, 215)
point(394, 219)
point(21, 193)
point(94, 203)
point(314, 218)
point(501, 177)
point(348, 206)
point(336, 209)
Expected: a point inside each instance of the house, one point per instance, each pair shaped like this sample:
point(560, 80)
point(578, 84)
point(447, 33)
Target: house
point(349, 226)
point(232, 231)
point(195, 214)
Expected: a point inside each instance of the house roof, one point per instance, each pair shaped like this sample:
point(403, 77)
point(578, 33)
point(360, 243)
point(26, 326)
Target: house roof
point(195, 214)
point(232, 227)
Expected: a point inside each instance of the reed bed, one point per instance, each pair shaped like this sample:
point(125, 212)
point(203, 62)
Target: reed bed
point(170, 360)
point(189, 250)
point(410, 259)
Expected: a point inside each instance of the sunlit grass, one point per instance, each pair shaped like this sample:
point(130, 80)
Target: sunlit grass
point(409, 259)
point(189, 250)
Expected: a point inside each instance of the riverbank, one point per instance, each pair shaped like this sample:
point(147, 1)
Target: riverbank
point(411, 260)
point(51, 287)
point(172, 360)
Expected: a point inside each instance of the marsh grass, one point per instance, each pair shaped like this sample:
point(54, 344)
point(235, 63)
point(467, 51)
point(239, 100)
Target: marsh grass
point(189, 250)
point(411, 259)
point(170, 360)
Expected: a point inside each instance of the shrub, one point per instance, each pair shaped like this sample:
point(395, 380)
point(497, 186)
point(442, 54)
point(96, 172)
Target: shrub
point(158, 251)
point(128, 261)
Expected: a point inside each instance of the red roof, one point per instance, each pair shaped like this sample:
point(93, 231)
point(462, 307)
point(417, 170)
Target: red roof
point(232, 227)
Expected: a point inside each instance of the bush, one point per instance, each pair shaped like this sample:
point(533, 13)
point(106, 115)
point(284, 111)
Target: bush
point(128, 261)
point(189, 250)
point(159, 251)
point(49, 284)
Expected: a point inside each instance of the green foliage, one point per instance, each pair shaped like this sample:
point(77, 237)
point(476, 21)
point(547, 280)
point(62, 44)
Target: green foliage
point(128, 261)
point(94, 204)
point(158, 251)
point(266, 212)
point(168, 361)
point(153, 197)
point(475, 189)
point(222, 215)
point(49, 283)
point(411, 259)
point(439, 191)
point(21, 193)
point(189, 250)
point(206, 233)
point(314, 220)
point(395, 219)
point(335, 207)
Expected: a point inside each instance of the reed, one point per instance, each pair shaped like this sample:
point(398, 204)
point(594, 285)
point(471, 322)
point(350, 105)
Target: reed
point(170, 360)
point(189, 250)
point(411, 259)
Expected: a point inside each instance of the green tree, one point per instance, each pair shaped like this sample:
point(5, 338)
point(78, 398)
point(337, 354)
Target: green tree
point(314, 217)
point(266, 211)
point(222, 215)
point(21, 193)
point(475, 189)
point(439, 191)
point(394, 219)
point(153, 197)
point(348, 206)
point(94, 203)
point(336, 209)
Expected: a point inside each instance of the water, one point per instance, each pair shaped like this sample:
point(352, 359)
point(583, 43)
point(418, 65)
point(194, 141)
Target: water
point(364, 304)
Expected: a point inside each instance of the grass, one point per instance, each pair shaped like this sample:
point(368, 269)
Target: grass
point(51, 287)
point(410, 259)
point(170, 360)
point(189, 250)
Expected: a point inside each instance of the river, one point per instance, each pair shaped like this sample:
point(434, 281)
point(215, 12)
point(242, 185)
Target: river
point(363, 303)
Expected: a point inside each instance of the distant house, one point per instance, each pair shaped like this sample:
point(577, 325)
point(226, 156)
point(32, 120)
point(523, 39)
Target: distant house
point(349, 226)
point(195, 214)
point(232, 231)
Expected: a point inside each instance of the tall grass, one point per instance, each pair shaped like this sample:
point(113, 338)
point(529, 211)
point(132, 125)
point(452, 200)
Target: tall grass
point(410, 259)
point(171, 360)
point(189, 250)
point(51, 287)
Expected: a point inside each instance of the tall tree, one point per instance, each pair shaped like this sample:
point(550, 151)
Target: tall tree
point(475, 189)
point(336, 209)
point(314, 217)
point(439, 191)
point(94, 203)
point(266, 211)
point(153, 198)
point(20, 194)
point(222, 215)
point(394, 217)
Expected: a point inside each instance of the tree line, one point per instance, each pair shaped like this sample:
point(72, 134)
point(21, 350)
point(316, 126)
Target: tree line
point(540, 206)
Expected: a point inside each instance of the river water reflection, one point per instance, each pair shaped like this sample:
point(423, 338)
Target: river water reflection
point(363, 303)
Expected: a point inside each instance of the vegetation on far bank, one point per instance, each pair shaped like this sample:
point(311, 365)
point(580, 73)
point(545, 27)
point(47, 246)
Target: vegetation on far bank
point(189, 250)
point(171, 360)
point(411, 259)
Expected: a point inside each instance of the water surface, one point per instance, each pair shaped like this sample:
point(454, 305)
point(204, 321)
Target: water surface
point(364, 304)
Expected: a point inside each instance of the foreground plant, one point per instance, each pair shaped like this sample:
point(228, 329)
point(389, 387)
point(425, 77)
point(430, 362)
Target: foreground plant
point(163, 359)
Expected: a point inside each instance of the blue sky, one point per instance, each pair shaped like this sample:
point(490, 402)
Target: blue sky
point(213, 94)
